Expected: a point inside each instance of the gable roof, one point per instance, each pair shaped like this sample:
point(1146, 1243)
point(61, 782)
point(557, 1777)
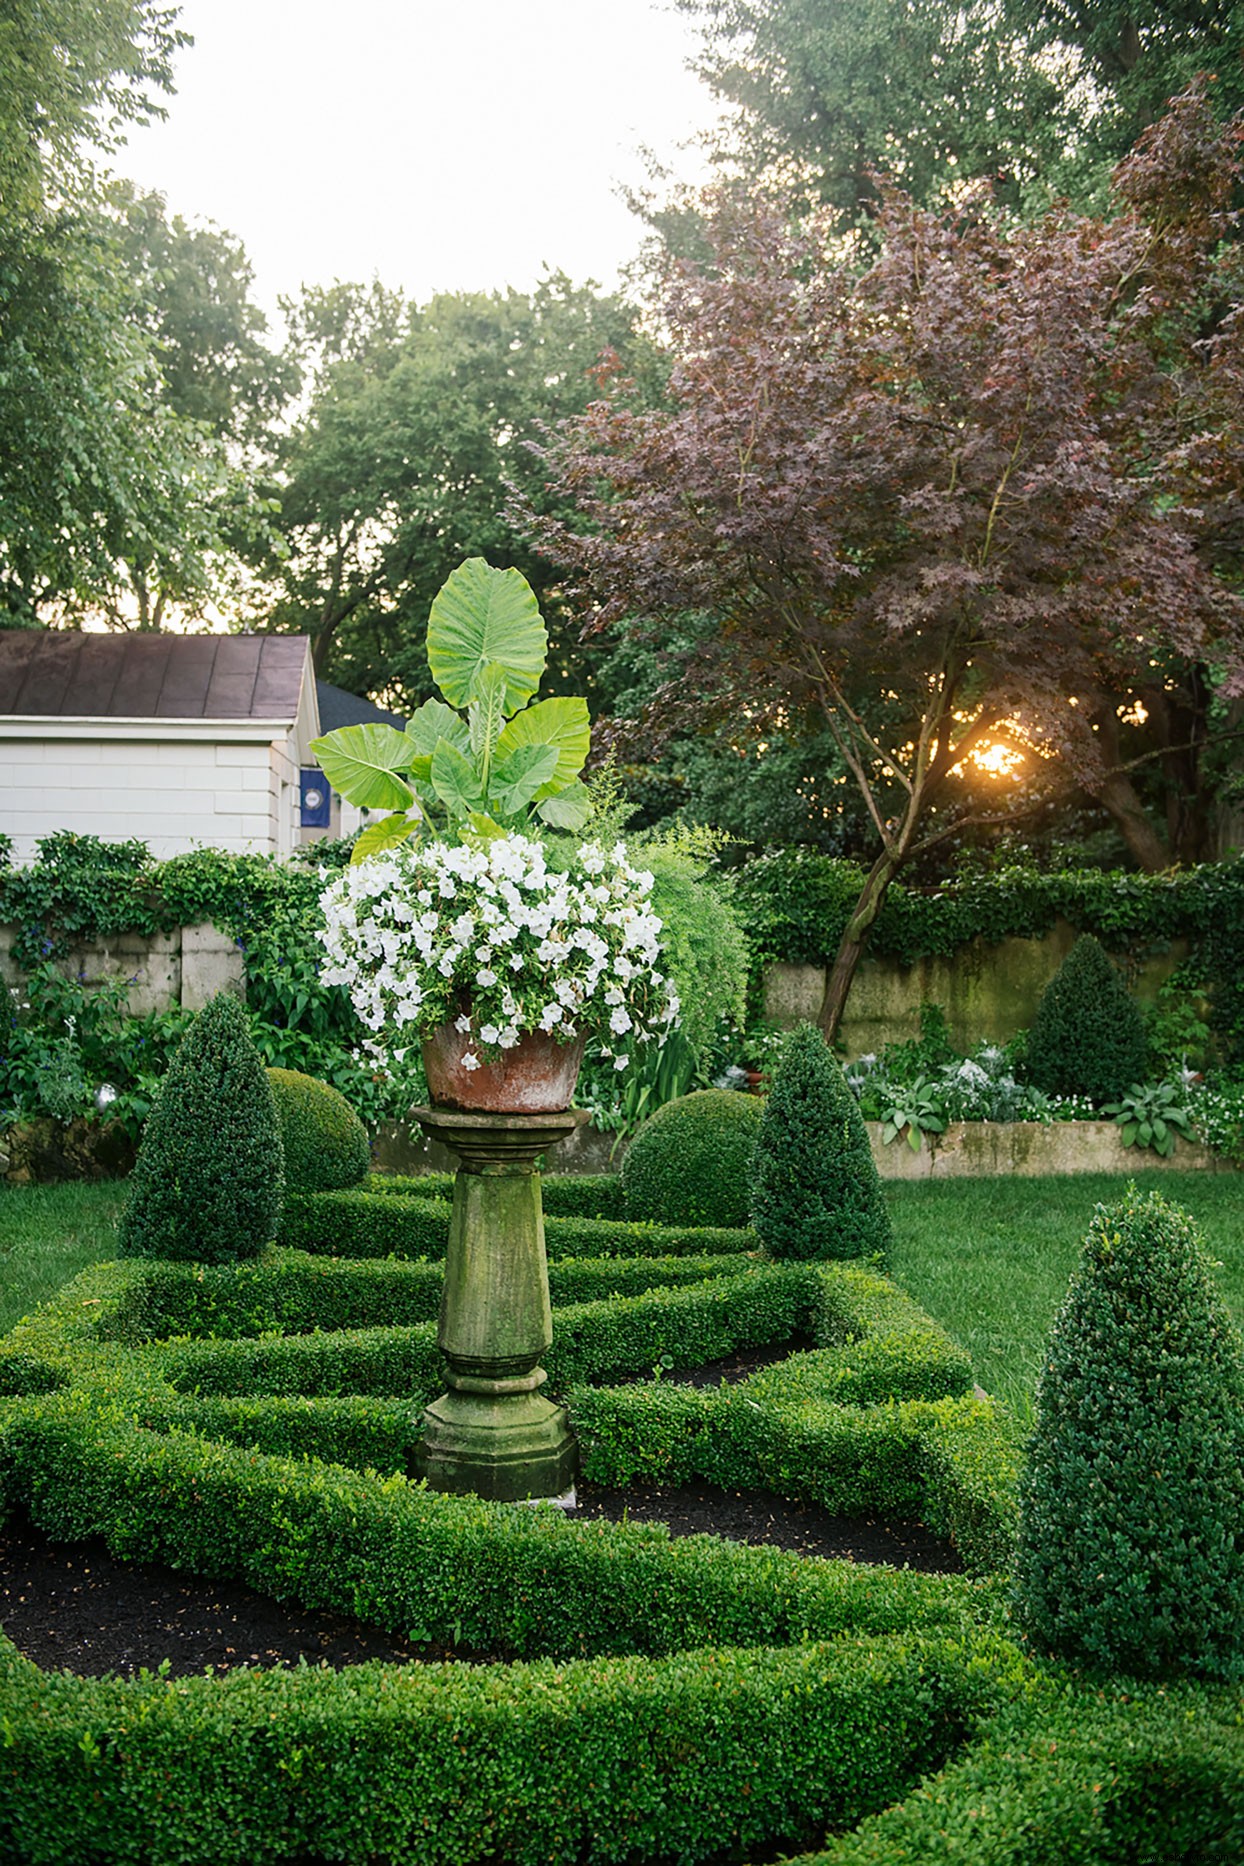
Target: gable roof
point(339, 708)
point(62, 673)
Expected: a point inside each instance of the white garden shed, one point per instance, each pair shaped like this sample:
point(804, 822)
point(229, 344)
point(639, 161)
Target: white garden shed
point(180, 740)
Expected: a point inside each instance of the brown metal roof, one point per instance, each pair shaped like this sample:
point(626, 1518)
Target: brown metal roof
point(64, 674)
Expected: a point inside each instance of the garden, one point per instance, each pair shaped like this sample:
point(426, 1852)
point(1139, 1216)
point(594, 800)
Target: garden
point(903, 1526)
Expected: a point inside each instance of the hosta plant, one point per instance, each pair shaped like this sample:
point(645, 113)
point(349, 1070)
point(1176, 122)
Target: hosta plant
point(1153, 1114)
point(485, 758)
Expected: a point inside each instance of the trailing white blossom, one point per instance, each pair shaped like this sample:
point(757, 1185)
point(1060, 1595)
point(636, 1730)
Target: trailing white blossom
point(492, 938)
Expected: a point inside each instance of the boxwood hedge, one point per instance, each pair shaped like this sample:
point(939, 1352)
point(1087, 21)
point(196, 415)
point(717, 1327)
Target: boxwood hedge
point(660, 1699)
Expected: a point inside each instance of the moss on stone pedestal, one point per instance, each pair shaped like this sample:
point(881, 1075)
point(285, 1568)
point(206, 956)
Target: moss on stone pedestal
point(493, 1434)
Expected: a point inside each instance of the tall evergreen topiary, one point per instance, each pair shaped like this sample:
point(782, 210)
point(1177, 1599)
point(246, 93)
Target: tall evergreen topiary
point(815, 1191)
point(1131, 1538)
point(209, 1179)
point(1088, 1037)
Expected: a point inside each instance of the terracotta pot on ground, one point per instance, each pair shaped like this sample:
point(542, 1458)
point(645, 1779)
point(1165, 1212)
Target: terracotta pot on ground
point(537, 1076)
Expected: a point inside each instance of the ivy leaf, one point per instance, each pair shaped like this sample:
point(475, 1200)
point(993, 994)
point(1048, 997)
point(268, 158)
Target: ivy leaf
point(386, 834)
point(362, 762)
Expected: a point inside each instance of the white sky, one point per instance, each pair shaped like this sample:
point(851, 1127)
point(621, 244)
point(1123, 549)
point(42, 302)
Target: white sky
point(438, 144)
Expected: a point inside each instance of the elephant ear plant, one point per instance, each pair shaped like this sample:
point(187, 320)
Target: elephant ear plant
point(487, 756)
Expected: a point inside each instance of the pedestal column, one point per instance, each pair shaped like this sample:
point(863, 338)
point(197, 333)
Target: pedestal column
point(493, 1434)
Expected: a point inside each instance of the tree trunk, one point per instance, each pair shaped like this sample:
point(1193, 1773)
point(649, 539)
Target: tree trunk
point(855, 939)
point(1117, 795)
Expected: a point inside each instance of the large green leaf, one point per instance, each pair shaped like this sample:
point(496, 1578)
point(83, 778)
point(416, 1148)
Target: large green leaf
point(516, 779)
point(482, 615)
point(432, 722)
point(362, 762)
point(563, 723)
point(385, 834)
point(568, 809)
point(456, 781)
point(486, 715)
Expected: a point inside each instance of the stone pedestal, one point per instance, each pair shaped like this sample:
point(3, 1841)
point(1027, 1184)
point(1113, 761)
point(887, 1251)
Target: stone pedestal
point(493, 1434)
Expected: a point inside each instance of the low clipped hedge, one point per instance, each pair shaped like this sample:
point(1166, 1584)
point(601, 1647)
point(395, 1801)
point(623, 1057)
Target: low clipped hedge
point(404, 1224)
point(592, 1341)
point(1093, 1780)
point(294, 1293)
point(565, 1195)
point(667, 1698)
point(432, 1764)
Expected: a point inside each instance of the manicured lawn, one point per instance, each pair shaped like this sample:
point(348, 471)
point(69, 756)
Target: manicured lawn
point(991, 1258)
point(47, 1235)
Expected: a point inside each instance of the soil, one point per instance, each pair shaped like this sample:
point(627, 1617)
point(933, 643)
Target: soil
point(73, 1606)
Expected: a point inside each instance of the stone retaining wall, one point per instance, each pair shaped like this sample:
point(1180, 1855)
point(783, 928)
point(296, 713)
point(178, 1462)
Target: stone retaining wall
point(1029, 1149)
point(162, 970)
point(989, 991)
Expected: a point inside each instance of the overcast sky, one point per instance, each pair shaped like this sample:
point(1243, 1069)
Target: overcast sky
point(439, 144)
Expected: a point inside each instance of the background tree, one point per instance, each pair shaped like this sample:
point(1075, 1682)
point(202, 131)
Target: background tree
point(118, 489)
point(930, 499)
point(417, 421)
point(1040, 97)
point(82, 444)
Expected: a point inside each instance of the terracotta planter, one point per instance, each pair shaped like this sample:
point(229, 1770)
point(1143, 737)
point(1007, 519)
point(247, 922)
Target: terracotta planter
point(538, 1076)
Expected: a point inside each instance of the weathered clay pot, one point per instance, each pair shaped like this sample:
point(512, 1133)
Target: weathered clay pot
point(537, 1076)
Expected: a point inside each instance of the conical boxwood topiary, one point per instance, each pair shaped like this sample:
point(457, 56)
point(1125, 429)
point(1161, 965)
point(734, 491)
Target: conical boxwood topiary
point(688, 1163)
point(815, 1191)
point(325, 1144)
point(1088, 1036)
point(1131, 1538)
point(208, 1182)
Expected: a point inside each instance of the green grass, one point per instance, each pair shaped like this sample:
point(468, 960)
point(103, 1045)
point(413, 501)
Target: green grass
point(47, 1235)
point(991, 1258)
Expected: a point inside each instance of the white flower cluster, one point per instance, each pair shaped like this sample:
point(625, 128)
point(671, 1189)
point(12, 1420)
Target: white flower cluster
point(493, 938)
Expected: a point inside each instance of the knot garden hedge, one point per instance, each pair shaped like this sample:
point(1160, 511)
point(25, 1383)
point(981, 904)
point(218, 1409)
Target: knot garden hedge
point(664, 1700)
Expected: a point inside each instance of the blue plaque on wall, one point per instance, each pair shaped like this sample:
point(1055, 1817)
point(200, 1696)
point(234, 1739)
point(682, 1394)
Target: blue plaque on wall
point(316, 799)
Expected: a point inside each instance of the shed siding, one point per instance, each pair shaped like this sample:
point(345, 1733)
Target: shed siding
point(171, 794)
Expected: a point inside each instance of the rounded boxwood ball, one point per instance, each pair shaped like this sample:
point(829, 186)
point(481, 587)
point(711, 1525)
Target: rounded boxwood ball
point(1130, 1553)
point(209, 1178)
point(688, 1164)
point(815, 1191)
point(326, 1145)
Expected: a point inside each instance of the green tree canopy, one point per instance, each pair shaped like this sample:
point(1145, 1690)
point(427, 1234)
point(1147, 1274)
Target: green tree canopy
point(117, 492)
point(1036, 96)
point(418, 422)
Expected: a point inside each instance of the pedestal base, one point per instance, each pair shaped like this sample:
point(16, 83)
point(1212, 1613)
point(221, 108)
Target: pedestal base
point(511, 1449)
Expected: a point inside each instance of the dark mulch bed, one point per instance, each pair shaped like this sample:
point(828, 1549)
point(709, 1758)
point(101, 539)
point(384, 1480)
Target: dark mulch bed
point(73, 1606)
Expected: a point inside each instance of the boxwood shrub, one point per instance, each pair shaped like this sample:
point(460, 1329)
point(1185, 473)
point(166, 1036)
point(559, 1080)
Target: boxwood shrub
point(665, 1697)
point(404, 1224)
